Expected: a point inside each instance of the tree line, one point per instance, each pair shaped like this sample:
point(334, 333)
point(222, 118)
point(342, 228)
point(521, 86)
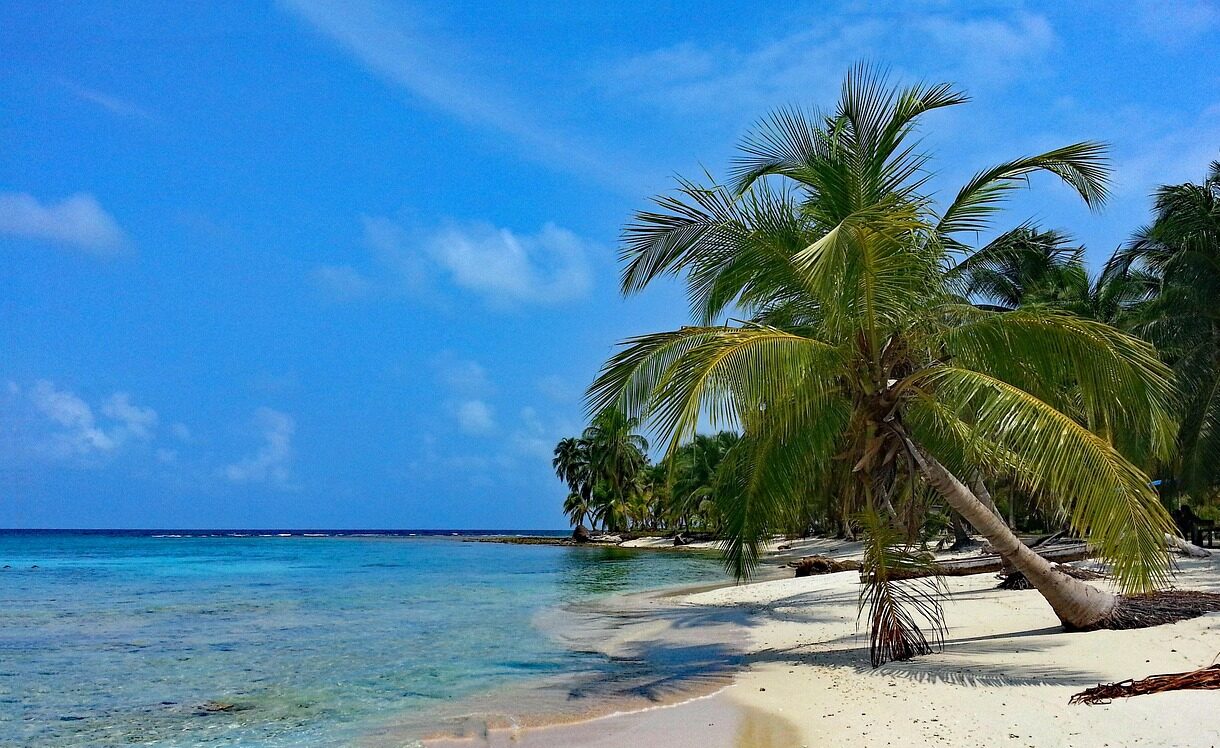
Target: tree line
point(613, 485)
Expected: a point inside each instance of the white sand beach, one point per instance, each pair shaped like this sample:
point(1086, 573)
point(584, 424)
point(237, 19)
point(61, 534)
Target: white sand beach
point(1004, 677)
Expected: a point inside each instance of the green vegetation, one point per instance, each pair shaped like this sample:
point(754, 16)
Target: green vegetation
point(613, 485)
point(883, 373)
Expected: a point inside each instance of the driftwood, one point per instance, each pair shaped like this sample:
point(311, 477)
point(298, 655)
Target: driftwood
point(1207, 678)
point(810, 566)
point(963, 567)
point(1015, 580)
point(1174, 543)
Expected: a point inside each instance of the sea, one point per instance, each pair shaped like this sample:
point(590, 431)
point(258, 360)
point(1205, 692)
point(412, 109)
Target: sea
point(289, 637)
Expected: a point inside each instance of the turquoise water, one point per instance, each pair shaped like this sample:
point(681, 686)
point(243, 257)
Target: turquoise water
point(124, 640)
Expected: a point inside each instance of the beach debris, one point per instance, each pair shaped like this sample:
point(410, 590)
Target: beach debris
point(1179, 545)
point(606, 539)
point(1015, 580)
point(1207, 678)
point(681, 539)
point(961, 567)
point(1156, 608)
point(810, 566)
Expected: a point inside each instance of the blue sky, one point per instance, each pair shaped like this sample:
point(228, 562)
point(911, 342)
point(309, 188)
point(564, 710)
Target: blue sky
point(351, 264)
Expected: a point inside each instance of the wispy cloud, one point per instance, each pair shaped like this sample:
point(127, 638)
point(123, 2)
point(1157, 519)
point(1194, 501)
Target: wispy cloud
point(475, 417)
point(113, 104)
point(77, 221)
point(62, 425)
point(807, 64)
point(460, 375)
point(558, 389)
point(531, 439)
point(1177, 23)
point(343, 282)
point(390, 42)
point(271, 464)
point(1155, 150)
point(507, 268)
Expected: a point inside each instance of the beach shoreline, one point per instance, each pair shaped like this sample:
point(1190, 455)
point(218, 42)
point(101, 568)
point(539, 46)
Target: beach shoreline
point(796, 672)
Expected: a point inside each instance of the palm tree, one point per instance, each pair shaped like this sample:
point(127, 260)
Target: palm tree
point(602, 469)
point(572, 465)
point(857, 369)
point(1016, 265)
point(1177, 259)
point(1028, 266)
point(696, 468)
point(616, 454)
point(578, 506)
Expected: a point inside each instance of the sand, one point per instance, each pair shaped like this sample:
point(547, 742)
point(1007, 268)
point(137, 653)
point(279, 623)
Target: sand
point(1003, 678)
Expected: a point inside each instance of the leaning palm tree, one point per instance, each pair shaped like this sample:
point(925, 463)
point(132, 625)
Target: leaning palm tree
point(856, 368)
point(578, 507)
point(1178, 259)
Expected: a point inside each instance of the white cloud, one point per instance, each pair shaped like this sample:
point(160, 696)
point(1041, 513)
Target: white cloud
point(993, 50)
point(558, 389)
point(181, 432)
point(272, 463)
point(113, 104)
point(1156, 150)
point(475, 417)
point(391, 41)
point(77, 221)
point(138, 421)
point(505, 267)
point(75, 431)
point(546, 267)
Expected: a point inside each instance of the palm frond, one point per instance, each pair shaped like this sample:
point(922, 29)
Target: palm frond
point(900, 594)
point(1111, 501)
point(1118, 381)
point(671, 378)
point(1083, 166)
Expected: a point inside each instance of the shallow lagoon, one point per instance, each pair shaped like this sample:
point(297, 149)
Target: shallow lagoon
point(282, 641)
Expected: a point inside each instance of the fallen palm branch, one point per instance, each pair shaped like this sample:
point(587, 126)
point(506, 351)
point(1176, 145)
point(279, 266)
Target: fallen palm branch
point(1156, 608)
point(1207, 678)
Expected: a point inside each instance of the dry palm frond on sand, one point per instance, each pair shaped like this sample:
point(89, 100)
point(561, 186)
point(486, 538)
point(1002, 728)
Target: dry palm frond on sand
point(1203, 679)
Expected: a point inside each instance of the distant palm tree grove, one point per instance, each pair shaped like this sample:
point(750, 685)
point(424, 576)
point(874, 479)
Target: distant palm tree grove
point(613, 485)
point(880, 373)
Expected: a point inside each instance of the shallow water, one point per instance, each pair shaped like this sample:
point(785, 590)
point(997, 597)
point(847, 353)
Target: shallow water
point(283, 641)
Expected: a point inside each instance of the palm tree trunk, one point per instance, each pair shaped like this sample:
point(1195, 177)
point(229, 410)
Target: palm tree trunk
point(980, 490)
point(1079, 605)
